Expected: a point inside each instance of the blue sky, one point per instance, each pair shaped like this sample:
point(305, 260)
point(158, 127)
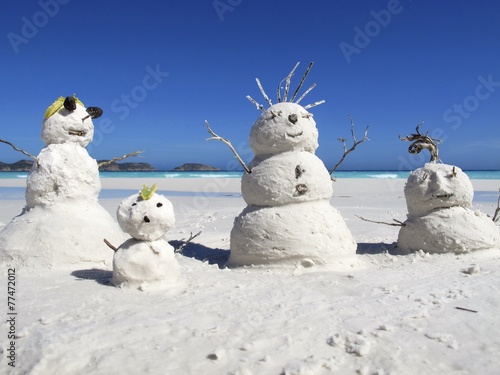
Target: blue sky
point(158, 69)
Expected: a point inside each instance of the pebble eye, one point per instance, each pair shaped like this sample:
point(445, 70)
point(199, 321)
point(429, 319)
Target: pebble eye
point(70, 103)
point(293, 118)
point(134, 204)
point(159, 204)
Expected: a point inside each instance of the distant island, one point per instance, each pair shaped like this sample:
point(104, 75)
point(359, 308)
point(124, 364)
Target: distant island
point(18, 166)
point(195, 167)
point(25, 166)
point(126, 167)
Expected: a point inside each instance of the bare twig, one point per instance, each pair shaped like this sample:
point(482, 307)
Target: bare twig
point(288, 78)
point(21, 150)
point(227, 142)
point(464, 309)
point(307, 92)
point(263, 92)
point(496, 216)
point(396, 224)
point(110, 245)
point(421, 141)
point(302, 81)
point(356, 142)
point(184, 243)
point(114, 160)
point(314, 104)
point(259, 106)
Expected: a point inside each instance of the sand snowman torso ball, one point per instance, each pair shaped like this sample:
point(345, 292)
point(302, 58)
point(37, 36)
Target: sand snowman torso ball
point(146, 259)
point(289, 220)
point(62, 224)
point(440, 218)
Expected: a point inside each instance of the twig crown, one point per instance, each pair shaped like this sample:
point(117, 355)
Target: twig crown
point(421, 141)
point(283, 96)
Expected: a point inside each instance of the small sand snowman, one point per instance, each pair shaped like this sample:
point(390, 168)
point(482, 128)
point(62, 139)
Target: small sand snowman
point(439, 200)
point(288, 220)
point(146, 260)
point(63, 223)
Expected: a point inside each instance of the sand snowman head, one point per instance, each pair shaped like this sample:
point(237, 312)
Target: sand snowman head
point(67, 120)
point(146, 216)
point(284, 127)
point(437, 186)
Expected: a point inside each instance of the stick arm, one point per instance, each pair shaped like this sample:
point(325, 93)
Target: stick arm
point(216, 137)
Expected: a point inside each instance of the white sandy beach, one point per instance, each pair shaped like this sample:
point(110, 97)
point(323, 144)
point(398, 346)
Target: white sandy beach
point(398, 314)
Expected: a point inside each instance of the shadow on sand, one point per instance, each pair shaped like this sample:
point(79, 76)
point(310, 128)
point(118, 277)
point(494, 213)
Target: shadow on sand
point(380, 248)
point(102, 277)
point(220, 257)
point(203, 253)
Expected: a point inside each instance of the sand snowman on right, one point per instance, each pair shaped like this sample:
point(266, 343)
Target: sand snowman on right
point(439, 200)
point(289, 220)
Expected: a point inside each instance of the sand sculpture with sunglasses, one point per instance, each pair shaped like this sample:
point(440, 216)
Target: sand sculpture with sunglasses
point(62, 223)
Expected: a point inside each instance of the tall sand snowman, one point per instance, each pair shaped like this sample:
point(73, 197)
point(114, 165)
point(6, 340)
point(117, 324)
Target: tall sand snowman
point(62, 223)
point(289, 220)
point(439, 200)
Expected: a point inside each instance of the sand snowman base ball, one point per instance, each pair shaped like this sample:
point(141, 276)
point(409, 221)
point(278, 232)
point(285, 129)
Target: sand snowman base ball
point(59, 236)
point(145, 264)
point(306, 234)
point(450, 230)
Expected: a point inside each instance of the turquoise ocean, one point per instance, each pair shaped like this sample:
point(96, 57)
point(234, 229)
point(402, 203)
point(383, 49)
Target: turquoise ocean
point(18, 192)
point(481, 175)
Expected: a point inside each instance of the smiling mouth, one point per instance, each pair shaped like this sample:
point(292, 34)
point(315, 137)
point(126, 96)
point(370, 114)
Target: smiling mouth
point(444, 195)
point(79, 133)
point(295, 135)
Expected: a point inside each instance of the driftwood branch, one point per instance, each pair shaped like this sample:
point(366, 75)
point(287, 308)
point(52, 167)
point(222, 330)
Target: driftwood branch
point(496, 216)
point(423, 141)
point(110, 245)
point(114, 160)
point(184, 243)
point(356, 142)
point(227, 142)
point(21, 150)
point(396, 224)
